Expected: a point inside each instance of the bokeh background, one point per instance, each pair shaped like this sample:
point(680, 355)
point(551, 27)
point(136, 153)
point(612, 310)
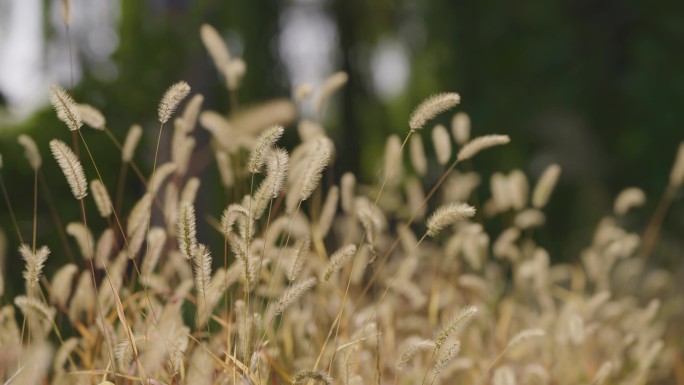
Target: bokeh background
point(596, 86)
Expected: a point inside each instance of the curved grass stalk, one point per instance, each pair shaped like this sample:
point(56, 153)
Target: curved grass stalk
point(363, 237)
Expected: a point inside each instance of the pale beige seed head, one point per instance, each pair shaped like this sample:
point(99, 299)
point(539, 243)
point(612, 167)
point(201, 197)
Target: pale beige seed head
point(171, 99)
point(315, 375)
point(442, 143)
point(392, 166)
point(217, 48)
point(65, 107)
point(91, 116)
point(478, 144)
point(501, 195)
point(34, 263)
point(529, 218)
point(293, 293)
point(221, 129)
point(252, 119)
point(156, 239)
point(31, 151)
point(329, 211)
point(66, 12)
point(83, 300)
point(187, 230)
point(677, 173)
point(139, 214)
point(348, 185)
point(234, 72)
point(338, 258)
point(627, 199)
point(576, 328)
point(138, 229)
point(460, 186)
point(309, 130)
point(131, 142)
point(84, 238)
point(191, 112)
point(230, 215)
point(104, 247)
point(417, 154)
point(225, 168)
point(545, 186)
point(505, 246)
point(518, 188)
point(523, 337)
point(277, 166)
point(316, 164)
point(38, 314)
point(189, 192)
point(333, 83)
point(603, 373)
point(202, 268)
point(266, 140)
point(446, 356)
point(61, 284)
point(504, 375)
point(300, 250)
point(431, 107)
point(101, 197)
point(302, 92)
point(71, 168)
point(412, 350)
point(160, 175)
point(181, 152)
point(447, 215)
point(460, 128)
point(455, 325)
point(171, 200)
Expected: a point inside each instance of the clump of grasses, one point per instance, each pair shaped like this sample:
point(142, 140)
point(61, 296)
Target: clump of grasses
point(337, 290)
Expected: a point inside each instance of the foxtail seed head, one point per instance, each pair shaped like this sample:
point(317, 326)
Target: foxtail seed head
point(431, 107)
point(71, 167)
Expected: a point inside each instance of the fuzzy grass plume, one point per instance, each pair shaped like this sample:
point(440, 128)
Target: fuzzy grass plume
point(65, 107)
point(71, 168)
point(431, 107)
point(171, 99)
point(447, 215)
